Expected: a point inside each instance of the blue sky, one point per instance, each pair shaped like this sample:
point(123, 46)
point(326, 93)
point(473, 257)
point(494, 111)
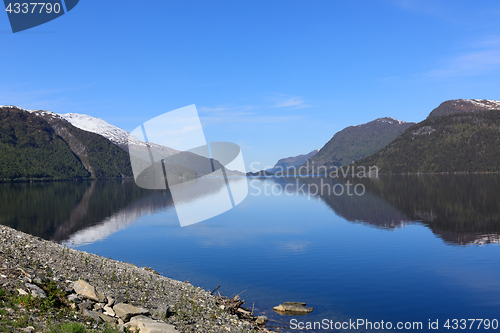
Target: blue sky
point(277, 77)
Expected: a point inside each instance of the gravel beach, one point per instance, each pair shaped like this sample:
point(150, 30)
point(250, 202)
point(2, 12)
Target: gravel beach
point(101, 293)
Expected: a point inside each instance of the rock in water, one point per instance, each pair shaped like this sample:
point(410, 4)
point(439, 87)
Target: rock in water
point(261, 320)
point(293, 308)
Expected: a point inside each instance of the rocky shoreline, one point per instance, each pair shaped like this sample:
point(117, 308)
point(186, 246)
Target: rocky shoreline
point(45, 285)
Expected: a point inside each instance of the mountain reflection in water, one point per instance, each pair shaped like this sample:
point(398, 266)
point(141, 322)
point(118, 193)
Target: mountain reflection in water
point(460, 209)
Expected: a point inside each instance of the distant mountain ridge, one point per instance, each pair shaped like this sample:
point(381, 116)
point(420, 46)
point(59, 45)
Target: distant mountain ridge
point(355, 142)
point(464, 105)
point(292, 162)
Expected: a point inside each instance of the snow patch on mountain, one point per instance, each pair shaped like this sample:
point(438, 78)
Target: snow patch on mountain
point(91, 124)
point(388, 120)
point(99, 126)
point(485, 103)
point(482, 103)
point(35, 112)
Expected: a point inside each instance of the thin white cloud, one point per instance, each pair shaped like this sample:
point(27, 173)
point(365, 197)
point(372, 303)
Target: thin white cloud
point(253, 114)
point(245, 118)
point(226, 109)
point(425, 7)
point(488, 43)
point(292, 101)
point(42, 99)
point(479, 58)
point(286, 101)
point(485, 16)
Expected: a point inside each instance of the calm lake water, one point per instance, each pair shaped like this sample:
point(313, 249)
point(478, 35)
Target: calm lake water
point(410, 249)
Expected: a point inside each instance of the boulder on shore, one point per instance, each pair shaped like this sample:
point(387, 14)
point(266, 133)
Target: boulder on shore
point(126, 311)
point(84, 289)
point(147, 325)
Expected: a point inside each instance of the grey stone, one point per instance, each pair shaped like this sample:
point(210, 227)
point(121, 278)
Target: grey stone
point(109, 311)
point(261, 320)
point(36, 291)
point(40, 278)
point(86, 305)
point(22, 292)
point(120, 299)
point(68, 290)
point(101, 297)
point(74, 298)
point(84, 289)
point(107, 318)
point(92, 315)
point(163, 311)
point(126, 311)
point(147, 325)
point(111, 301)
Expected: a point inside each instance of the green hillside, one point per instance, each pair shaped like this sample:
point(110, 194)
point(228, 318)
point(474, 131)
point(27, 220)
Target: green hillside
point(356, 142)
point(102, 158)
point(34, 147)
point(30, 148)
point(459, 142)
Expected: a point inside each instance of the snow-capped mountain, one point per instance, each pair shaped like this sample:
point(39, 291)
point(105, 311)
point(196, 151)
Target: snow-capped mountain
point(118, 136)
point(464, 105)
point(387, 120)
point(86, 123)
point(486, 103)
point(391, 120)
point(97, 125)
point(63, 150)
